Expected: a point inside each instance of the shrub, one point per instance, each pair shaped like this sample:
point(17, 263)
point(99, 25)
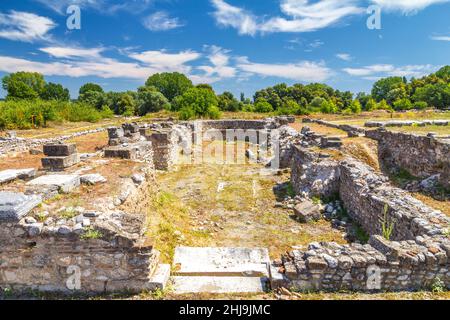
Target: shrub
point(262, 106)
point(26, 114)
point(197, 103)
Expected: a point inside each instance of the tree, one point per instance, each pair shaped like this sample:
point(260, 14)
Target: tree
point(53, 91)
point(23, 85)
point(151, 100)
point(96, 99)
point(384, 106)
point(263, 106)
point(197, 102)
point(126, 105)
point(171, 85)
point(382, 87)
point(436, 95)
point(403, 104)
point(227, 102)
point(371, 105)
point(90, 87)
point(205, 86)
point(355, 106)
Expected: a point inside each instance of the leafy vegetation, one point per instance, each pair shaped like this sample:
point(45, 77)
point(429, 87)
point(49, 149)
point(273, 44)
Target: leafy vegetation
point(32, 102)
point(387, 226)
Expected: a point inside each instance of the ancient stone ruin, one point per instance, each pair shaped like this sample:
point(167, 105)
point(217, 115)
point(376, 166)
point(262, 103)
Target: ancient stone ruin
point(103, 246)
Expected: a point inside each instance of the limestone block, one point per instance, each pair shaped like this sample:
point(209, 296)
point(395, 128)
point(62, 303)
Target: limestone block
point(60, 150)
point(65, 183)
point(14, 206)
point(60, 163)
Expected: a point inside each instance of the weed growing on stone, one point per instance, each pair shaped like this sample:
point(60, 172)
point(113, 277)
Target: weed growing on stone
point(387, 226)
point(438, 286)
point(91, 233)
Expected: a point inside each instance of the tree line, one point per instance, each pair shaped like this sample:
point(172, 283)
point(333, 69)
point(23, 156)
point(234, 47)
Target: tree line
point(31, 101)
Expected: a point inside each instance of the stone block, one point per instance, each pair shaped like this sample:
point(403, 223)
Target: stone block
point(7, 176)
point(115, 133)
point(92, 179)
point(65, 183)
point(307, 211)
point(60, 150)
point(14, 206)
point(60, 163)
point(221, 262)
point(121, 152)
point(184, 285)
point(12, 174)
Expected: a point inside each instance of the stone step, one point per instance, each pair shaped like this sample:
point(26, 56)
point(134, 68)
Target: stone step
point(221, 262)
point(184, 285)
point(160, 278)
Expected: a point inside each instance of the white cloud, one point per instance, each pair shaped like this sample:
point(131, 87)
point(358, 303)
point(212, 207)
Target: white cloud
point(219, 68)
point(24, 26)
point(61, 6)
point(104, 6)
point(383, 70)
point(304, 71)
point(441, 38)
point(67, 52)
point(80, 62)
point(163, 61)
point(406, 6)
point(302, 16)
point(344, 56)
point(161, 21)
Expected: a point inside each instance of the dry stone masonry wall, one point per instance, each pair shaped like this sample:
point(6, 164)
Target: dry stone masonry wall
point(421, 156)
point(415, 256)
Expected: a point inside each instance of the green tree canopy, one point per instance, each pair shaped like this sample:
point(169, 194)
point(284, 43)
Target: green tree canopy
point(90, 87)
point(53, 91)
point(23, 85)
point(151, 100)
point(171, 85)
point(383, 87)
point(227, 102)
point(197, 102)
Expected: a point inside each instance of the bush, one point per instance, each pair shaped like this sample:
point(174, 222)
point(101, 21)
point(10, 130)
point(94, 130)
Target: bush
point(403, 104)
point(420, 105)
point(262, 106)
point(150, 100)
point(26, 114)
point(197, 103)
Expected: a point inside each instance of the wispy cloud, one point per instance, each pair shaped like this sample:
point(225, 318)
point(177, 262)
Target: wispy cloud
point(219, 67)
point(80, 62)
point(165, 61)
point(60, 6)
point(440, 38)
point(344, 56)
point(372, 72)
point(25, 26)
point(68, 52)
point(161, 21)
point(300, 16)
point(304, 71)
point(104, 6)
point(407, 6)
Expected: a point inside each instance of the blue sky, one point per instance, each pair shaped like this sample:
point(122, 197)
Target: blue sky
point(239, 46)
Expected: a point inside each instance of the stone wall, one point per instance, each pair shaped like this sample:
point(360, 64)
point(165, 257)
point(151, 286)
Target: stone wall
point(366, 194)
point(314, 174)
point(15, 144)
point(380, 265)
point(46, 257)
point(417, 255)
point(421, 156)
